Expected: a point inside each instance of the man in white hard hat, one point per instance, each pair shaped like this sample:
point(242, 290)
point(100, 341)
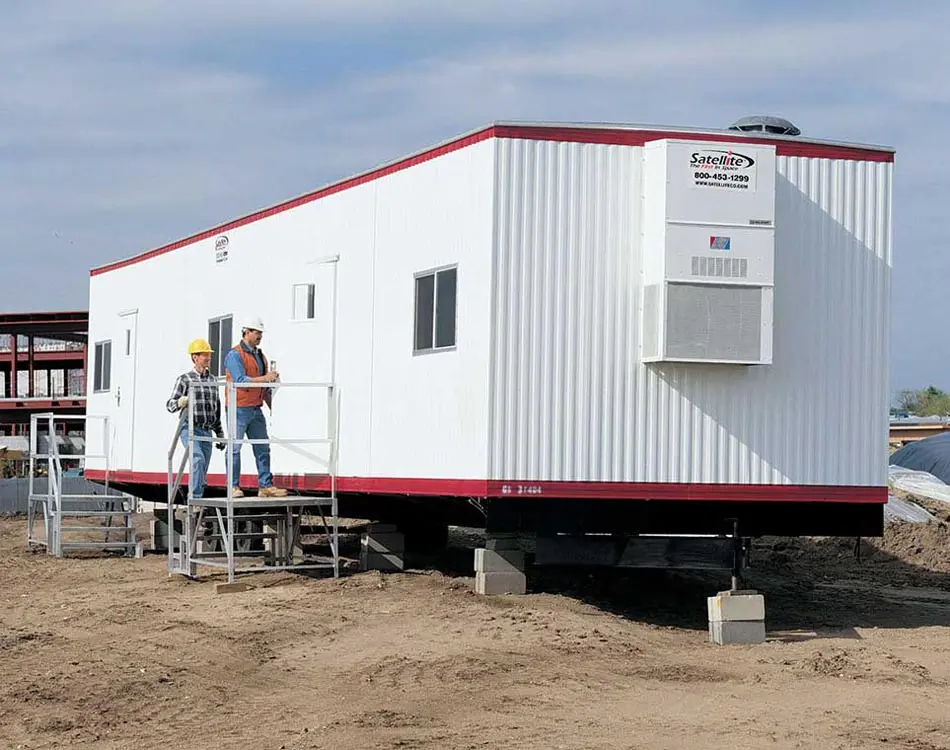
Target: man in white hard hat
point(246, 363)
point(198, 386)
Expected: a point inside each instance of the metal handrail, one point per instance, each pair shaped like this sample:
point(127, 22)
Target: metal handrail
point(54, 499)
point(225, 515)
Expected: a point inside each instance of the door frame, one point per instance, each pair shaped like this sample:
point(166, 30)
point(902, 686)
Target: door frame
point(129, 344)
point(335, 261)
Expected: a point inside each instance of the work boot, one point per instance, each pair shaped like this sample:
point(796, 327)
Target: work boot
point(238, 492)
point(272, 492)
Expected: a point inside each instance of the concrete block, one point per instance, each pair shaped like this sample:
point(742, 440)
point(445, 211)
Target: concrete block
point(736, 606)
point(498, 542)
point(736, 633)
point(159, 534)
point(500, 583)
point(388, 563)
point(505, 561)
point(384, 543)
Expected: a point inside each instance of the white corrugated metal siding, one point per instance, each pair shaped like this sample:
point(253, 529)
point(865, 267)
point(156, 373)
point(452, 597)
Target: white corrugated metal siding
point(570, 399)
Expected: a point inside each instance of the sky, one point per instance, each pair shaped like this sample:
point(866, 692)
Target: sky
point(127, 125)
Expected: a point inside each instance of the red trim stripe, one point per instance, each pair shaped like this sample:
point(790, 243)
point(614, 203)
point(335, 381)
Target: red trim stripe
point(338, 187)
point(611, 136)
point(657, 491)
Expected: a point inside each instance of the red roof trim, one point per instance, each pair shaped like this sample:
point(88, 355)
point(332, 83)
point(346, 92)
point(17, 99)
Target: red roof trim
point(657, 491)
point(303, 199)
point(611, 136)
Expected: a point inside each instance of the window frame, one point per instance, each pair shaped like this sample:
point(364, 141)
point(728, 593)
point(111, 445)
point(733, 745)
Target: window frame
point(434, 273)
point(311, 302)
point(102, 376)
point(219, 349)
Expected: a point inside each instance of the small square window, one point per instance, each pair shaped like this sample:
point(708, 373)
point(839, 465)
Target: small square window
point(304, 301)
point(435, 310)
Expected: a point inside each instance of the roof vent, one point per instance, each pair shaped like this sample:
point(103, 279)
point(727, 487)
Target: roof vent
point(765, 124)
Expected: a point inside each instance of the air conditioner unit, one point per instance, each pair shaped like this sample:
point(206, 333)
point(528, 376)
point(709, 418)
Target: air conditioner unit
point(708, 252)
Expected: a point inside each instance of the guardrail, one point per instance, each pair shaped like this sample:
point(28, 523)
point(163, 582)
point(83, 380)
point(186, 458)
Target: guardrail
point(282, 513)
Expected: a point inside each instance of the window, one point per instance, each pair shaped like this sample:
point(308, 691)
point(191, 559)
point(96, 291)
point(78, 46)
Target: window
point(435, 310)
point(219, 336)
point(102, 374)
point(128, 342)
point(304, 295)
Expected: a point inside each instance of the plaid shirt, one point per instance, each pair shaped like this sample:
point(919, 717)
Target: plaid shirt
point(204, 396)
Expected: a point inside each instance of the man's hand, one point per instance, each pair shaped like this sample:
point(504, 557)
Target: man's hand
point(182, 402)
point(271, 376)
point(221, 445)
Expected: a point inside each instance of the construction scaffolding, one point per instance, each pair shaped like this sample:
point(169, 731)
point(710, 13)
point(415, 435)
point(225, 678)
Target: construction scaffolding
point(74, 520)
point(217, 531)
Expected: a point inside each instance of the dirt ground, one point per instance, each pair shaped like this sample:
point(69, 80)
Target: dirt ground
point(112, 653)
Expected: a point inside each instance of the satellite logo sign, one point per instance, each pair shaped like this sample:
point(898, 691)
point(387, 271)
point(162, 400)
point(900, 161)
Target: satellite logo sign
point(722, 169)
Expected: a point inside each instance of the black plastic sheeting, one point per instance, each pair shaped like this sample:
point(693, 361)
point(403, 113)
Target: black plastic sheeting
point(930, 454)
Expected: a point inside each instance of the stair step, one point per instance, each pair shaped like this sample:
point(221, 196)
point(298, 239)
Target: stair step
point(66, 529)
point(99, 498)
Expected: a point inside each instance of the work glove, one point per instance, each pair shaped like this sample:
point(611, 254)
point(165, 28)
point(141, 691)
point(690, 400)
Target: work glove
point(182, 402)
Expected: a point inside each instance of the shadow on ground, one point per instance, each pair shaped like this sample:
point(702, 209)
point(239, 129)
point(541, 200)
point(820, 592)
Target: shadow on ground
point(813, 587)
point(809, 584)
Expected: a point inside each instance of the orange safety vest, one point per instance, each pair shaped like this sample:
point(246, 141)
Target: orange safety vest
point(248, 397)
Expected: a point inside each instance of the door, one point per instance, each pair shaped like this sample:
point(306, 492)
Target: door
point(305, 354)
point(123, 420)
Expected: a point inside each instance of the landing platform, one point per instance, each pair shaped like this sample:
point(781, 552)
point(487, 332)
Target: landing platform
point(291, 501)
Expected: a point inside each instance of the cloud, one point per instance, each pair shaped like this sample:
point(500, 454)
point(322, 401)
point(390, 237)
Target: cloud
point(126, 125)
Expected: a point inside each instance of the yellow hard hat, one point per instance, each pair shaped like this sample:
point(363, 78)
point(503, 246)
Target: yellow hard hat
point(200, 346)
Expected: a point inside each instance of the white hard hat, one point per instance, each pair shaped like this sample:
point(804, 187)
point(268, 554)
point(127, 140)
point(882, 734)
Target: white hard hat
point(254, 323)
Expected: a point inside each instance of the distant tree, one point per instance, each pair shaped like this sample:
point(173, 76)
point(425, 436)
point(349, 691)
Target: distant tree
point(928, 402)
point(907, 400)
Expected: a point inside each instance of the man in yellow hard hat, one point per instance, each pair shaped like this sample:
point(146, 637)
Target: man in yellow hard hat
point(199, 386)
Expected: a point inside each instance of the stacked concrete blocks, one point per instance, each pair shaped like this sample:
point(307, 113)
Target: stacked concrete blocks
point(383, 548)
point(736, 617)
point(159, 532)
point(499, 569)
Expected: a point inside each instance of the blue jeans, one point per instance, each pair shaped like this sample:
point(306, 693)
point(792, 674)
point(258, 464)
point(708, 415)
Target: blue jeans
point(200, 458)
point(250, 421)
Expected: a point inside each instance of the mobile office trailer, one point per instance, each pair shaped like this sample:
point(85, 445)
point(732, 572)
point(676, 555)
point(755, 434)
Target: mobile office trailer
point(564, 328)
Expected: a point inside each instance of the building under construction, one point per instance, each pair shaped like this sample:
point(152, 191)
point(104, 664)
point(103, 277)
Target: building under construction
point(42, 366)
